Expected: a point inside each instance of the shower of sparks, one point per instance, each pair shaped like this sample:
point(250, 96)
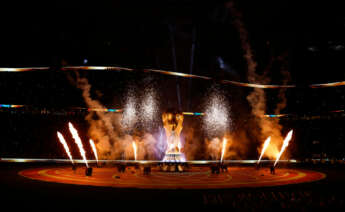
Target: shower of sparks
point(223, 149)
point(216, 117)
point(285, 144)
point(130, 116)
point(149, 108)
point(267, 142)
point(65, 146)
point(92, 144)
point(77, 140)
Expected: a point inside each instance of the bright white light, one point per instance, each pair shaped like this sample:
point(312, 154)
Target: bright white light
point(149, 108)
point(216, 119)
point(130, 114)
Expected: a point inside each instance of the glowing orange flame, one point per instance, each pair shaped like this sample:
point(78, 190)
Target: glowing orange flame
point(285, 144)
point(77, 140)
point(92, 144)
point(223, 148)
point(267, 142)
point(134, 150)
point(65, 146)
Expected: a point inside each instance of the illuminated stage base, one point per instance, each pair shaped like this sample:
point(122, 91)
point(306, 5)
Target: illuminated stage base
point(196, 177)
point(174, 157)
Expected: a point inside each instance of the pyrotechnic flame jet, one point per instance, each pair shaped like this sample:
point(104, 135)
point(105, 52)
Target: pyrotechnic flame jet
point(77, 140)
point(267, 142)
point(285, 144)
point(65, 146)
point(134, 150)
point(223, 149)
point(92, 144)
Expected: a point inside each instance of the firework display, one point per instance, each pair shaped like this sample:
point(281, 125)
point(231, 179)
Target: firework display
point(77, 140)
point(94, 149)
point(266, 143)
point(285, 144)
point(172, 104)
point(63, 142)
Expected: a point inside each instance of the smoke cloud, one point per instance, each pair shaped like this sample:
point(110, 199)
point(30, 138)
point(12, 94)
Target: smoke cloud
point(257, 98)
point(110, 131)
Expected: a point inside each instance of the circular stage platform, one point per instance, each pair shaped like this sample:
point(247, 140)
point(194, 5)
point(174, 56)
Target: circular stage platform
point(194, 178)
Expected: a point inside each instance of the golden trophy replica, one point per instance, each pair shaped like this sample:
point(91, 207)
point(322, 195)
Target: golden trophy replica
point(172, 121)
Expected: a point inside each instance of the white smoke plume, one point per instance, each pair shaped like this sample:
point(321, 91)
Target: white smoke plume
point(110, 130)
point(214, 147)
point(257, 98)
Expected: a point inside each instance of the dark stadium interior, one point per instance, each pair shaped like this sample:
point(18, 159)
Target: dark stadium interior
point(305, 39)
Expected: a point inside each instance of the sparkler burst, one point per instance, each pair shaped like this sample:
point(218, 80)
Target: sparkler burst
point(267, 142)
point(285, 144)
point(134, 150)
point(65, 146)
point(223, 148)
point(216, 120)
point(92, 144)
point(77, 140)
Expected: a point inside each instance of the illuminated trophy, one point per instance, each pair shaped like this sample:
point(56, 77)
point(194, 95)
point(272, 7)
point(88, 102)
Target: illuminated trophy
point(172, 121)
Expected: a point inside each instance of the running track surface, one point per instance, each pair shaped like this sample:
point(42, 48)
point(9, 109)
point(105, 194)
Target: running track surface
point(194, 178)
